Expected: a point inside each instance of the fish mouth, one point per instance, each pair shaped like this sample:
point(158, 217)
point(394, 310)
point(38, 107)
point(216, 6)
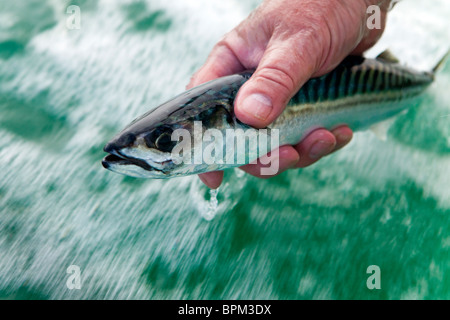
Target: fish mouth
point(116, 158)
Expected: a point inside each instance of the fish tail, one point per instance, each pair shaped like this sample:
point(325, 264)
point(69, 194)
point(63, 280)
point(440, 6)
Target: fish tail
point(440, 62)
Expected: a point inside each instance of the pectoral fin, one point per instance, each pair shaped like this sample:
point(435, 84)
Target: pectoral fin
point(380, 129)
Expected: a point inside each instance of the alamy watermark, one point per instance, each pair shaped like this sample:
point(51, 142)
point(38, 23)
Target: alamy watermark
point(374, 11)
point(374, 280)
point(73, 21)
point(74, 280)
point(374, 19)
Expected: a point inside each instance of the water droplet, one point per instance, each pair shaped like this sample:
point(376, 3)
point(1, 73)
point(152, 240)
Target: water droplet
point(213, 205)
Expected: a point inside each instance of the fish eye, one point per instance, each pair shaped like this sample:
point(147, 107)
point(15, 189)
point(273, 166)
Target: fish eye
point(164, 142)
point(160, 138)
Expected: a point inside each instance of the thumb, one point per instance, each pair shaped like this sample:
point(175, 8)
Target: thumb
point(283, 69)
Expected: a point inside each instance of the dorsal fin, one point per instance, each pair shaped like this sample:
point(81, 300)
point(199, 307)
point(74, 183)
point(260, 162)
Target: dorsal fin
point(387, 56)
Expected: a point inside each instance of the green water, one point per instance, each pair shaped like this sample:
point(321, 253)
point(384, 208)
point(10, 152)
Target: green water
point(306, 234)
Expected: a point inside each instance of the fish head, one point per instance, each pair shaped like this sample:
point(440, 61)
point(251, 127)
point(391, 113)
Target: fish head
point(145, 147)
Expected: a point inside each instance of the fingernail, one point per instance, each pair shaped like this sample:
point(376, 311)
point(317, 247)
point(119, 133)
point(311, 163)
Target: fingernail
point(286, 159)
point(258, 105)
point(212, 179)
point(320, 149)
point(206, 180)
point(343, 137)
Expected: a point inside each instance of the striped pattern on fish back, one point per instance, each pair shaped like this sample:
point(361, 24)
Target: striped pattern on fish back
point(359, 76)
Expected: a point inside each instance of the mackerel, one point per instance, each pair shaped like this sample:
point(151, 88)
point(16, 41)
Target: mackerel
point(359, 93)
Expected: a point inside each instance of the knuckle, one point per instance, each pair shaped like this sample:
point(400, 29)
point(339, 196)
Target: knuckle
point(278, 77)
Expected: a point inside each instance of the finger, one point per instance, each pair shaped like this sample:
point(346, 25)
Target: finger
point(212, 179)
point(343, 136)
point(221, 62)
point(280, 74)
point(284, 158)
point(316, 145)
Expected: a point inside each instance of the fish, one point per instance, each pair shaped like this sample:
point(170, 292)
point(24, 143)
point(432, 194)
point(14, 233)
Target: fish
point(360, 93)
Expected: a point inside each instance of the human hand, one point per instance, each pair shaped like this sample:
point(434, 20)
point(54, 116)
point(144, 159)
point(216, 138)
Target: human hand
point(288, 42)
